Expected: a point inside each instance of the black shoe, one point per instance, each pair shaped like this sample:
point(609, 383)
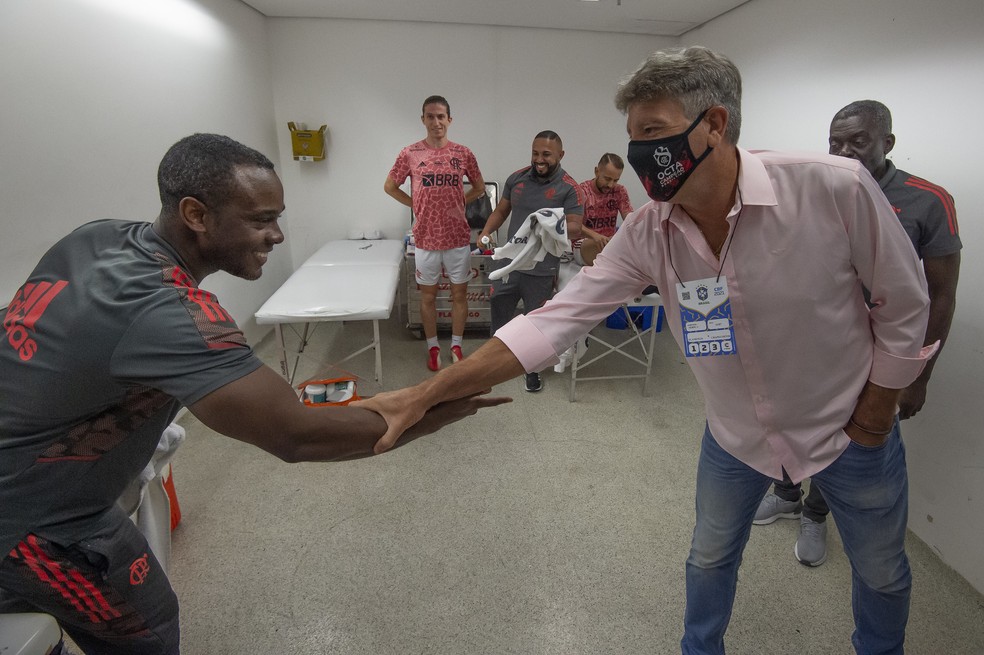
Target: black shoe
point(533, 382)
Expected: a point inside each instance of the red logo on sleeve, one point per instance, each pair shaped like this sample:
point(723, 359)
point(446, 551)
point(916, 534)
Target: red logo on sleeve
point(27, 307)
point(216, 325)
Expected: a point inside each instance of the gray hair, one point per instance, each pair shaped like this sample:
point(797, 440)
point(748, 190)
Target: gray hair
point(696, 77)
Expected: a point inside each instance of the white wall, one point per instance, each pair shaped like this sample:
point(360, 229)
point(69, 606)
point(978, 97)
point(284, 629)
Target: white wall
point(366, 80)
point(924, 61)
point(93, 98)
point(94, 93)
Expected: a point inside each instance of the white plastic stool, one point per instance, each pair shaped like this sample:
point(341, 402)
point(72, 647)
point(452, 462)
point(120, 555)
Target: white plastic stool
point(146, 501)
point(29, 634)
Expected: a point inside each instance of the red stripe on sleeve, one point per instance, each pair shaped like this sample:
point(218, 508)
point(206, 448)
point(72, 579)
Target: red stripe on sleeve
point(939, 192)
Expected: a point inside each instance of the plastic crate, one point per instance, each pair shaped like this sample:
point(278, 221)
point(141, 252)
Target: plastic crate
point(344, 387)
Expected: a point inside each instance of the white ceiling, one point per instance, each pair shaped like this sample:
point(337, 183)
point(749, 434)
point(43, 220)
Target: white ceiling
point(655, 17)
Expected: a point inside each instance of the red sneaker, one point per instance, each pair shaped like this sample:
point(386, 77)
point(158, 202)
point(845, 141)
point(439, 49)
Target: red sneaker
point(456, 355)
point(434, 359)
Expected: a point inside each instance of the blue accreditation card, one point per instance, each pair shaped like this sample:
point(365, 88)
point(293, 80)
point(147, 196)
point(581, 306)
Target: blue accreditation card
point(705, 311)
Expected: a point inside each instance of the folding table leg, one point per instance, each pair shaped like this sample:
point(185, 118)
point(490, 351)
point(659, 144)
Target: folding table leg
point(377, 349)
point(300, 351)
point(575, 356)
point(278, 329)
point(620, 348)
point(649, 354)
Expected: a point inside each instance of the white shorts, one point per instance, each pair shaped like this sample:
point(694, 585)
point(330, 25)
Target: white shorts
point(455, 262)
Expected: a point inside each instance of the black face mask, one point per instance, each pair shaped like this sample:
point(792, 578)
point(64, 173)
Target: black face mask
point(663, 165)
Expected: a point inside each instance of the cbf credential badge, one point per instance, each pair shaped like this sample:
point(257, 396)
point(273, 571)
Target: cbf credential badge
point(705, 310)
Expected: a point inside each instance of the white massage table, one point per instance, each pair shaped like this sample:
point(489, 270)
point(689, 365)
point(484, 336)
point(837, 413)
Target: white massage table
point(349, 280)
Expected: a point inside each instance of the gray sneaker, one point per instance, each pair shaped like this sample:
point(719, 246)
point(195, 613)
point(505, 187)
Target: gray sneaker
point(811, 546)
point(773, 507)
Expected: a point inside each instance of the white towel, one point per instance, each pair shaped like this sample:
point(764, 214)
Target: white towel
point(172, 437)
point(544, 232)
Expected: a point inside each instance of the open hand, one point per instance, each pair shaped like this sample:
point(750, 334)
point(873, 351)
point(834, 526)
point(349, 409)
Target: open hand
point(405, 415)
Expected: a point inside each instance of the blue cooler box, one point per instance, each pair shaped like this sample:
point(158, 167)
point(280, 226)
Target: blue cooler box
point(641, 316)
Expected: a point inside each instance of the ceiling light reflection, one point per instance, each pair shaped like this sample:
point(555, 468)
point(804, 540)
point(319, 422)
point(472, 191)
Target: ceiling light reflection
point(179, 17)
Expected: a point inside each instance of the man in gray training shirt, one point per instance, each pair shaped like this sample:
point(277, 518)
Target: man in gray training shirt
point(541, 185)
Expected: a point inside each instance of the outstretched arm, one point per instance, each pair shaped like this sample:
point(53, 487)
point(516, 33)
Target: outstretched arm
point(262, 409)
point(489, 365)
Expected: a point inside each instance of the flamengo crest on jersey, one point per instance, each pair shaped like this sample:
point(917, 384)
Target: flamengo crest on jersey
point(437, 177)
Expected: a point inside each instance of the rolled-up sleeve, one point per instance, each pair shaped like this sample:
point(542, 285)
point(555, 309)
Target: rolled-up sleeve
point(533, 350)
point(891, 371)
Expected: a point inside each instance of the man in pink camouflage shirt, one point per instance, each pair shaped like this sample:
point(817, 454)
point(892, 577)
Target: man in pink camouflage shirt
point(436, 168)
point(604, 200)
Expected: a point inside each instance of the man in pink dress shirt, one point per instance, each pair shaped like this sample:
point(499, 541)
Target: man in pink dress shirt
point(761, 258)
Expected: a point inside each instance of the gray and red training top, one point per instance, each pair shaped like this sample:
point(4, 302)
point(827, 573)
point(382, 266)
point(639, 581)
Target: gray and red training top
point(108, 337)
point(925, 210)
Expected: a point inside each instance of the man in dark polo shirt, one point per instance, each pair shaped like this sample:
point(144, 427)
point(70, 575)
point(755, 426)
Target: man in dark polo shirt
point(863, 131)
point(541, 185)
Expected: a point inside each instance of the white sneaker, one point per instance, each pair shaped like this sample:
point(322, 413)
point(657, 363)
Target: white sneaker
point(565, 359)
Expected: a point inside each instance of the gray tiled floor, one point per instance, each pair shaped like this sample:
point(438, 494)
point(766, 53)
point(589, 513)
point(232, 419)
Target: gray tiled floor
point(538, 527)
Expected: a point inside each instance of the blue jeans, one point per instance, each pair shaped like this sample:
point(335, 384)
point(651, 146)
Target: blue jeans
point(867, 491)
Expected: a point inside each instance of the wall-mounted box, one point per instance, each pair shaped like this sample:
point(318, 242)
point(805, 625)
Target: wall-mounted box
point(307, 145)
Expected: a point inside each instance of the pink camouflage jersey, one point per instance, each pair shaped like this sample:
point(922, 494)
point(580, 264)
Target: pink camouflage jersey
point(601, 210)
point(437, 191)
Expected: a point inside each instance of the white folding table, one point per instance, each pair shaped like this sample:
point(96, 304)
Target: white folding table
point(346, 280)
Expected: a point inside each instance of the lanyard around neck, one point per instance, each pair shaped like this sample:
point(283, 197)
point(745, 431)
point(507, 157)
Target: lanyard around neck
point(727, 245)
